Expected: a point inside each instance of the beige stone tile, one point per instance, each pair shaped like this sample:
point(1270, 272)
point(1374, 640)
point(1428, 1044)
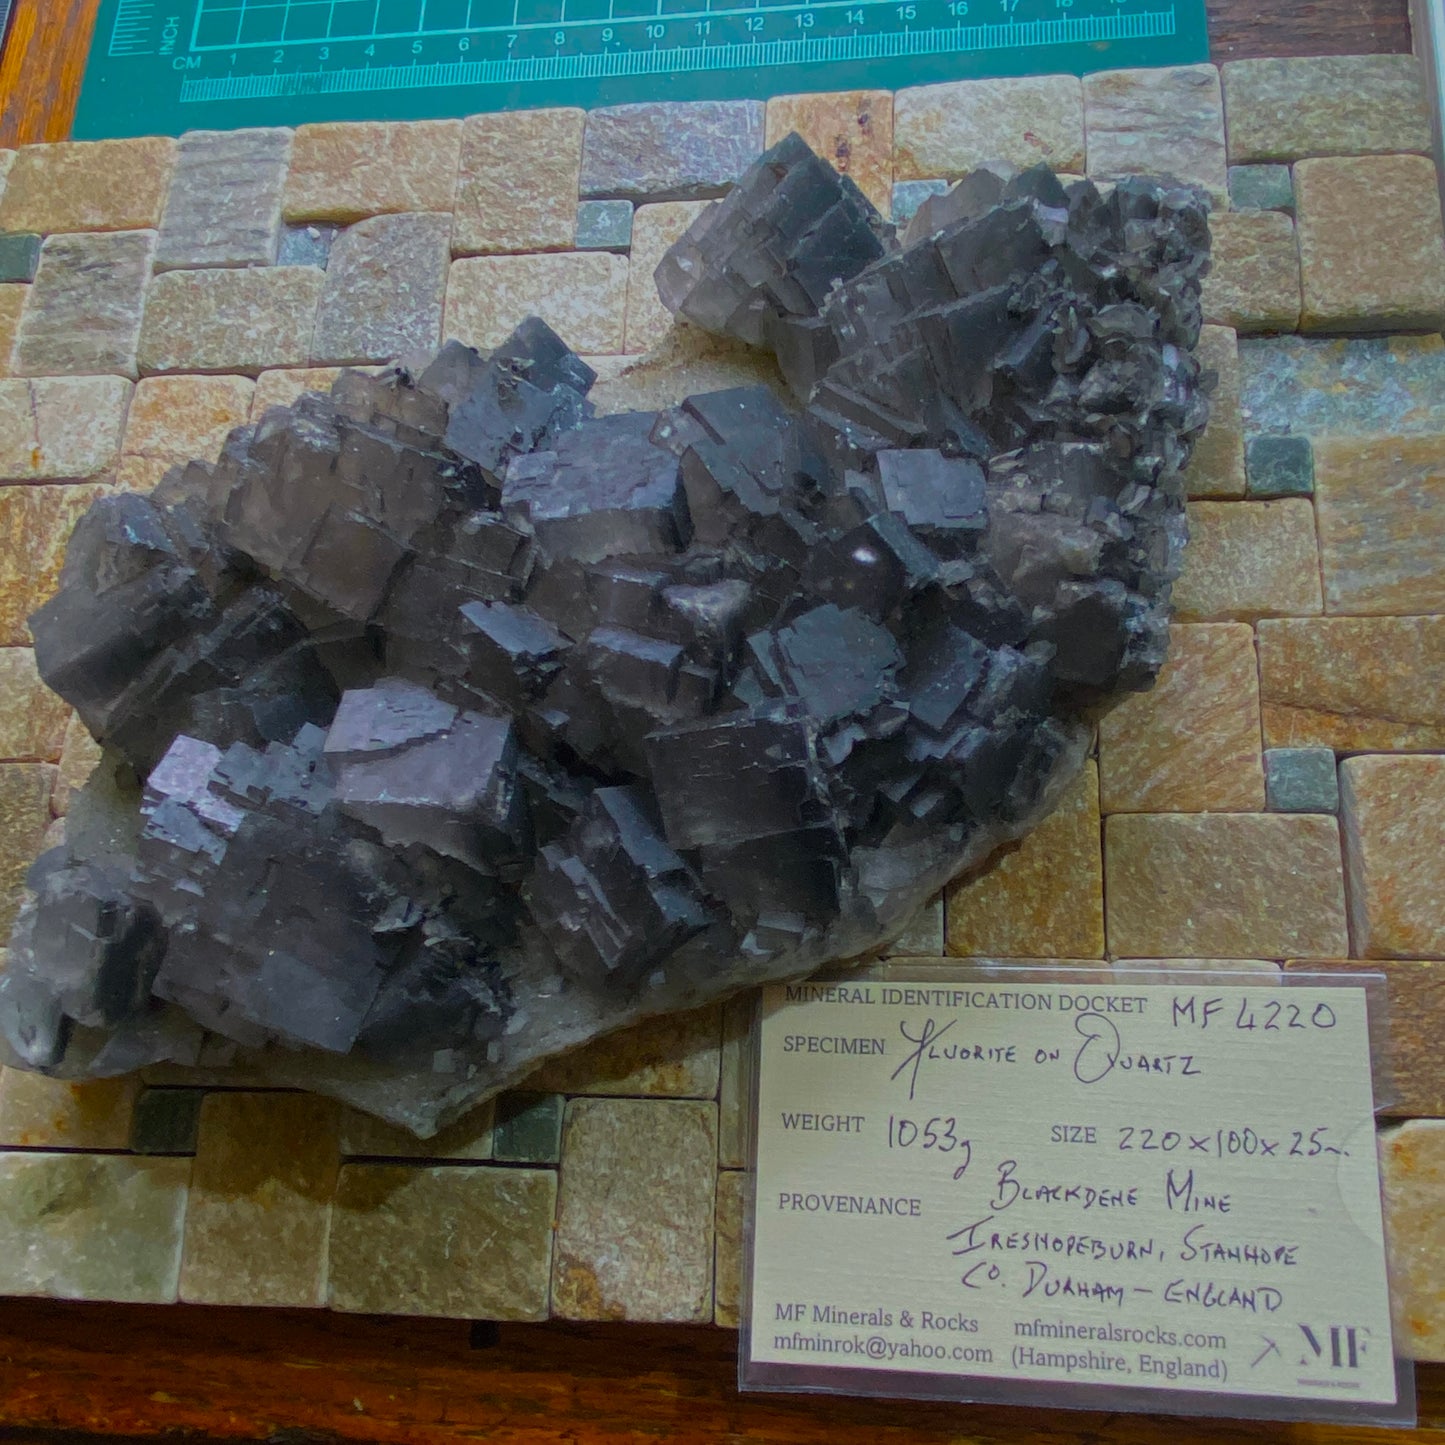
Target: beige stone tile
point(1320, 105)
point(1263, 966)
point(1230, 885)
point(732, 1193)
point(463, 1243)
point(654, 229)
point(287, 385)
point(108, 185)
point(386, 282)
point(32, 718)
point(1157, 122)
point(687, 361)
point(735, 1082)
point(1381, 508)
point(224, 203)
point(582, 295)
point(24, 817)
point(7, 161)
point(1371, 246)
point(344, 171)
point(1368, 683)
point(1191, 744)
point(1217, 467)
point(662, 150)
point(1392, 810)
point(851, 129)
point(35, 524)
point(942, 131)
point(929, 969)
point(61, 428)
point(140, 474)
point(79, 754)
point(1041, 897)
point(1249, 559)
point(517, 189)
point(91, 1226)
point(1416, 1071)
point(12, 304)
point(83, 315)
point(469, 1138)
point(242, 320)
point(1412, 1178)
point(41, 1113)
point(260, 1207)
point(635, 1215)
point(674, 1056)
point(184, 418)
point(1254, 278)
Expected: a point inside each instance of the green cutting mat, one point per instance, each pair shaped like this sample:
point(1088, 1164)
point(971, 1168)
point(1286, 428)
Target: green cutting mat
point(167, 66)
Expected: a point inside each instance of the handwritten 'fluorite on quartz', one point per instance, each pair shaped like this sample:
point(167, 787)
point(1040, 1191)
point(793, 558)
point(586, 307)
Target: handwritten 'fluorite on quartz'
point(450, 725)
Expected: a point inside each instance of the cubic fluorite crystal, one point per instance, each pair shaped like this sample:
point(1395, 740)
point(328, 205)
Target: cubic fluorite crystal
point(449, 724)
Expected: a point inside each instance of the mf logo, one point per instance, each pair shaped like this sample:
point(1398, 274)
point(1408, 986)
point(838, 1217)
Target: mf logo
point(1345, 1345)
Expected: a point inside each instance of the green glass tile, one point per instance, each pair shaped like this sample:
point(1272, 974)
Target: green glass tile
point(1301, 780)
point(166, 1121)
point(1261, 188)
point(1279, 466)
point(19, 256)
point(604, 225)
point(528, 1129)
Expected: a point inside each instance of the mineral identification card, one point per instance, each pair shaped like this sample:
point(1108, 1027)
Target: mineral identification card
point(1111, 1193)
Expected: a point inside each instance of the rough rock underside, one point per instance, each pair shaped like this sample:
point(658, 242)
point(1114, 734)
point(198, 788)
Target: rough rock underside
point(449, 725)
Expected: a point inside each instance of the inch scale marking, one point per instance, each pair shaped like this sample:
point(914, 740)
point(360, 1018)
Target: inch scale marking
point(164, 66)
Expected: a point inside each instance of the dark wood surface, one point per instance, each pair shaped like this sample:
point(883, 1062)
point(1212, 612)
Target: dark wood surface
point(41, 68)
point(72, 1370)
point(295, 1378)
point(1244, 29)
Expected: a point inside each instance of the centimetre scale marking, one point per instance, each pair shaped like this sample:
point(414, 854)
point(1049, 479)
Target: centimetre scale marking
point(171, 65)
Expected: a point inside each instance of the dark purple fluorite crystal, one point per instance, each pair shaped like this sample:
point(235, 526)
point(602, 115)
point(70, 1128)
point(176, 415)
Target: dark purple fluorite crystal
point(449, 724)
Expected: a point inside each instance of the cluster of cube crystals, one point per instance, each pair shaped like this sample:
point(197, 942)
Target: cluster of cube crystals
point(460, 724)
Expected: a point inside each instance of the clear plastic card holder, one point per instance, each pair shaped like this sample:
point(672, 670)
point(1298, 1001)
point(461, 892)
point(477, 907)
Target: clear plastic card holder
point(912, 1104)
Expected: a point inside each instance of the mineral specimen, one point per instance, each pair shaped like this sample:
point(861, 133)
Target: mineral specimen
point(450, 724)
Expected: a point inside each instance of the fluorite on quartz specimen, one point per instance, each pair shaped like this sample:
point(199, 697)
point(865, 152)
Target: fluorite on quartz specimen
point(449, 725)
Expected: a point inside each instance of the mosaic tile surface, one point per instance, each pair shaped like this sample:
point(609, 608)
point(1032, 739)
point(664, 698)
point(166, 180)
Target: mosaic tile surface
point(1277, 800)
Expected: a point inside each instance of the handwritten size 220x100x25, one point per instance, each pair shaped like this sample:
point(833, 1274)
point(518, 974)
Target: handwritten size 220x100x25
point(1107, 1189)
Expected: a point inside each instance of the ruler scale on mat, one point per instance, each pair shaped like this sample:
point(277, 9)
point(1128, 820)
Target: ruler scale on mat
point(165, 66)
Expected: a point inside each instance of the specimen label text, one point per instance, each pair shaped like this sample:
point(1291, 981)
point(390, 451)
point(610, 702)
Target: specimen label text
point(1144, 1186)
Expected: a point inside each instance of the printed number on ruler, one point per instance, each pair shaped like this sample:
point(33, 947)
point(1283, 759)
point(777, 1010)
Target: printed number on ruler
point(325, 56)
